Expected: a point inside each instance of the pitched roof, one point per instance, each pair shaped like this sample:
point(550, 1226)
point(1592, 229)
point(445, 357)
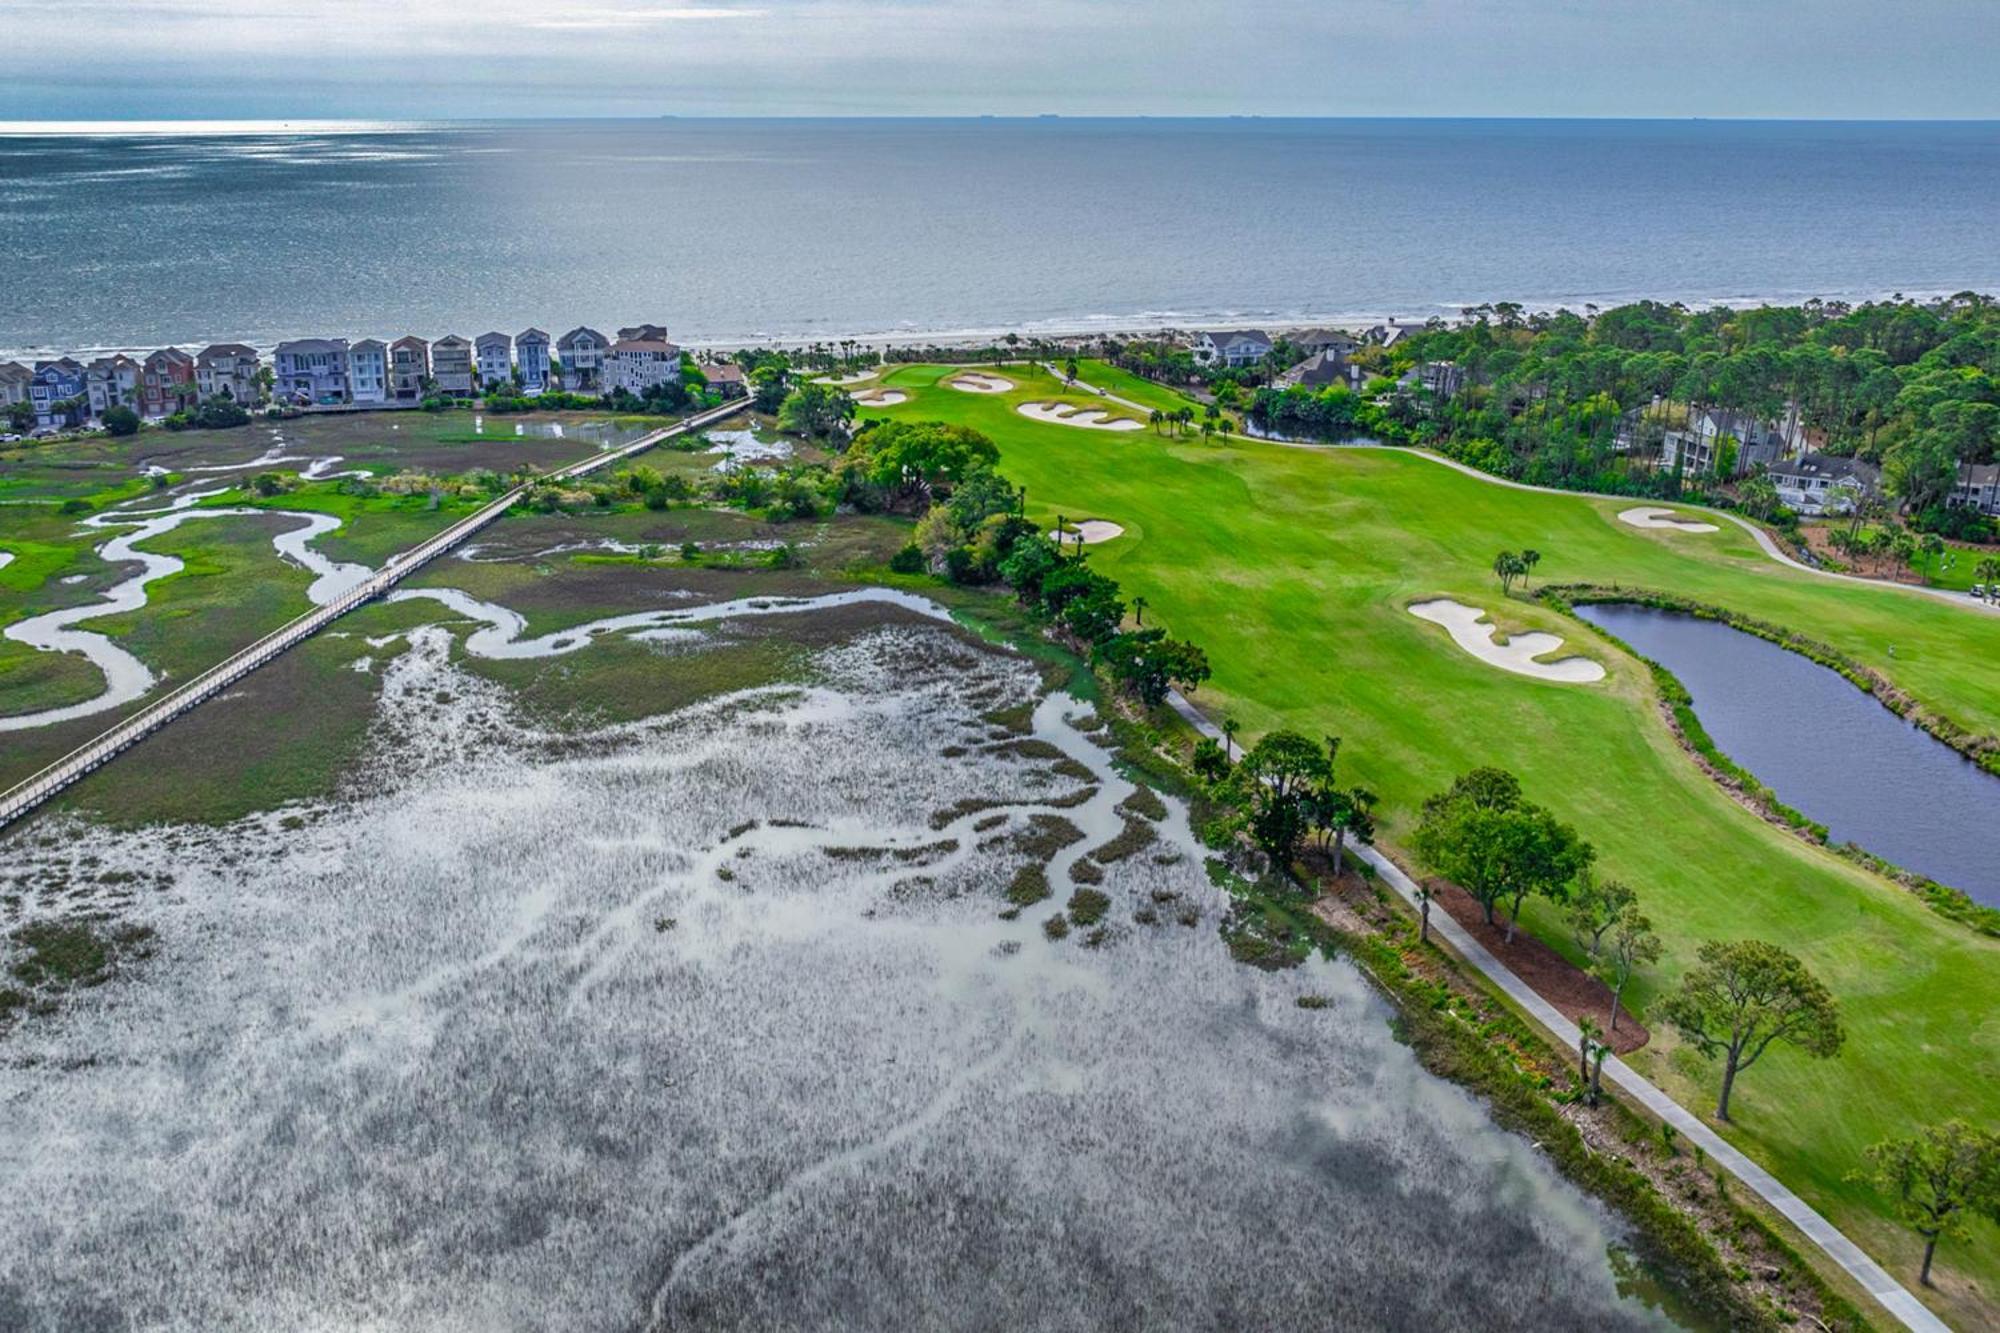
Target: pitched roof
point(369, 345)
point(14, 370)
point(531, 335)
point(214, 350)
point(1832, 467)
point(488, 339)
point(580, 331)
point(450, 340)
point(1223, 337)
point(655, 345)
point(644, 333)
point(173, 354)
point(723, 370)
point(306, 346)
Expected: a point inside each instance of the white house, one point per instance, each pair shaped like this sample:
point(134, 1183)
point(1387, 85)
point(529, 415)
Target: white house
point(451, 366)
point(113, 381)
point(1234, 348)
point(581, 352)
point(312, 371)
point(368, 371)
point(228, 370)
point(1313, 342)
point(637, 364)
point(1823, 483)
point(531, 354)
point(493, 354)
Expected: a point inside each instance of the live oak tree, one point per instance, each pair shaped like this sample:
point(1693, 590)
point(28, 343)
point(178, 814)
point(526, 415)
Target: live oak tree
point(1485, 837)
point(818, 411)
point(1282, 771)
point(1743, 998)
point(1937, 1177)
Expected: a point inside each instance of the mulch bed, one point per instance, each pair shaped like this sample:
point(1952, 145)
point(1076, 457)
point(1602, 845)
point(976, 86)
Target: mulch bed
point(1571, 990)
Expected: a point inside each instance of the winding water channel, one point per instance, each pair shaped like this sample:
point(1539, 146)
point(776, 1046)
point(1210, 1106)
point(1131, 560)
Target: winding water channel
point(1827, 748)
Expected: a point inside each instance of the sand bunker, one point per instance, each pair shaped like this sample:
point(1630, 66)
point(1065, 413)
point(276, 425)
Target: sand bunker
point(853, 377)
point(881, 397)
point(1470, 631)
point(976, 383)
point(1092, 530)
point(1652, 516)
point(1065, 414)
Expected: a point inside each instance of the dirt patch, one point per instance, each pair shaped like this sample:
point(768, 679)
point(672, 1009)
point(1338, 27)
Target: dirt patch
point(1571, 990)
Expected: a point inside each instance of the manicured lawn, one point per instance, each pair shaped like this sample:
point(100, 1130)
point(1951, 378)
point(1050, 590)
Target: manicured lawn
point(1292, 568)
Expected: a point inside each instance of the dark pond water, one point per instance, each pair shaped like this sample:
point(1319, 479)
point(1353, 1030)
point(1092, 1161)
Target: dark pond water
point(1828, 749)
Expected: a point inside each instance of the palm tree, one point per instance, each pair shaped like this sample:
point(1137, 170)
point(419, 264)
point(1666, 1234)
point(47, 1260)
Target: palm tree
point(1507, 567)
point(1139, 605)
point(1069, 371)
point(1229, 726)
point(1155, 418)
point(1529, 559)
point(1989, 574)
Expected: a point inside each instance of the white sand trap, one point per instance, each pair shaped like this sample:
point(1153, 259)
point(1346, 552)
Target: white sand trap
point(881, 397)
point(1092, 530)
point(971, 382)
point(854, 377)
point(1470, 631)
point(1064, 414)
point(1652, 516)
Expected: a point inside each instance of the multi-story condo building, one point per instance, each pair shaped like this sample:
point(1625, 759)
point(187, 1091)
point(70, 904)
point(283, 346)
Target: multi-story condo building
point(451, 366)
point(637, 364)
point(228, 370)
point(59, 393)
point(167, 385)
point(312, 372)
point(368, 371)
point(409, 368)
point(113, 381)
point(531, 355)
point(493, 357)
point(581, 352)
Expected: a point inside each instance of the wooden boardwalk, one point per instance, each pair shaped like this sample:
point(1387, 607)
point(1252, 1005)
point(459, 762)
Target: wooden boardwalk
point(28, 795)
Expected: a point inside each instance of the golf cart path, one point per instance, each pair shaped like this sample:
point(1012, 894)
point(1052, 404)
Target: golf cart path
point(1891, 1294)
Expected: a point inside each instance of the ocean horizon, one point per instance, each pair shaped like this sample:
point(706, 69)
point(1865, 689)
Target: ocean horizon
point(740, 231)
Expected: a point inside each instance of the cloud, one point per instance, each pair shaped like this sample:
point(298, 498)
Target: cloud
point(596, 20)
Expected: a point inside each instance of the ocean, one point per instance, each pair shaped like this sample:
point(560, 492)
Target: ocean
point(734, 231)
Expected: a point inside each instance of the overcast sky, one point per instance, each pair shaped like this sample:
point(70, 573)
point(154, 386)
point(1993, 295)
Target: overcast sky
point(173, 59)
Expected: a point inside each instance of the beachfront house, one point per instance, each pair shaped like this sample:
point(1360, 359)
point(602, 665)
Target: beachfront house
point(581, 352)
point(531, 357)
point(1321, 370)
point(14, 381)
point(112, 381)
point(1696, 448)
point(1316, 342)
point(1977, 488)
point(1233, 348)
point(637, 364)
point(451, 366)
point(228, 370)
point(167, 385)
point(312, 372)
point(409, 368)
point(368, 372)
point(59, 393)
point(644, 333)
point(493, 355)
point(726, 379)
point(1390, 333)
point(1443, 380)
point(1814, 484)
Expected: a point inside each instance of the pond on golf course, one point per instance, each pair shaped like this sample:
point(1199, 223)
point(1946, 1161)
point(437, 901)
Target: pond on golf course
point(1827, 748)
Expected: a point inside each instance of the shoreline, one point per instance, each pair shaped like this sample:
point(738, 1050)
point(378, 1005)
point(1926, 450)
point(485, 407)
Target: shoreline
point(1057, 328)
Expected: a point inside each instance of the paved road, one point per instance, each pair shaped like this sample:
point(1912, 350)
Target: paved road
point(1893, 1295)
point(28, 795)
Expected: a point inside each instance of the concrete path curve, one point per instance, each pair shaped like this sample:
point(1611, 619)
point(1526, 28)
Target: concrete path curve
point(1892, 1295)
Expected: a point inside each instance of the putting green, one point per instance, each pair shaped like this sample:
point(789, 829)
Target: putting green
point(1292, 568)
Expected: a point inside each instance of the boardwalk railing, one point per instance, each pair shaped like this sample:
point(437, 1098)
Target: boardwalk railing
point(18, 800)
